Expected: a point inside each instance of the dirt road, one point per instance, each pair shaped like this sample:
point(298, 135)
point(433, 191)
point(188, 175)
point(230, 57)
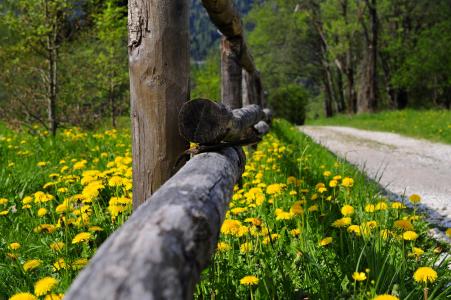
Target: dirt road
point(401, 165)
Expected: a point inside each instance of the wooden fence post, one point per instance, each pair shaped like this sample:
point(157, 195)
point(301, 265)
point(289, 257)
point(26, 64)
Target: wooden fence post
point(231, 77)
point(249, 88)
point(159, 85)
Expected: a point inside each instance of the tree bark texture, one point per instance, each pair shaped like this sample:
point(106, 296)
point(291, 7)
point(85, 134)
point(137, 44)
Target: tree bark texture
point(161, 250)
point(159, 85)
point(231, 76)
point(52, 58)
point(206, 122)
point(249, 86)
point(369, 97)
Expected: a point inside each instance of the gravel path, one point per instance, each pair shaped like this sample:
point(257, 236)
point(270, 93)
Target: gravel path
point(401, 165)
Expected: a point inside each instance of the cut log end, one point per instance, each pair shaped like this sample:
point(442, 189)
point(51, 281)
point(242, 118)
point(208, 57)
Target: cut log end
point(204, 121)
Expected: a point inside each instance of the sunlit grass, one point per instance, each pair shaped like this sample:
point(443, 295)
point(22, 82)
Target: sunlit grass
point(434, 125)
point(307, 225)
point(301, 224)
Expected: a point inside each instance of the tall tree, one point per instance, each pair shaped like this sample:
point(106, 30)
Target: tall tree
point(111, 30)
point(368, 100)
point(40, 30)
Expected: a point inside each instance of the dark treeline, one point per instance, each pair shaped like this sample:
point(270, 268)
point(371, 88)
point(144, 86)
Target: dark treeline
point(351, 56)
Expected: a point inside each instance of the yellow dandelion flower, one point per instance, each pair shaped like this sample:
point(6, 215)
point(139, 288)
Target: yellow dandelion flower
point(403, 224)
point(31, 264)
point(381, 206)
point(283, 215)
point(95, 228)
point(23, 296)
point(397, 205)
point(448, 232)
point(359, 276)
point(295, 232)
point(4, 212)
point(415, 198)
point(3, 201)
point(425, 275)
point(354, 229)
point(54, 297)
point(327, 173)
point(249, 280)
point(14, 246)
point(81, 237)
point(274, 189)
point(42, 212)
point(410, 235)
point(41, 164)
point(238, 210)
point(79, 263)
point(385, 234)
point(313, 208)
point(27, 200)
point(385, 297)
point(343, 222)
point(59, 264)
point(246, 247)
point(44, 286)
point(417, 252)
point(222, 247)
point(57, 246)
point(115, 181)
point(333, 183)
point(230, 227)
point(347, 182)
point(369, 208)
point(347, 210)
point(254, 221)
point(326, 241)
point(296, 208)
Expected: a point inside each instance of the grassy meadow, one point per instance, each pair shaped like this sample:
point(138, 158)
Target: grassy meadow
point(434, 125)
point(302, 224)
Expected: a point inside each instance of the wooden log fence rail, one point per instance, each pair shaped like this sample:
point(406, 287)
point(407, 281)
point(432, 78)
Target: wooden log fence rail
point(169, 239)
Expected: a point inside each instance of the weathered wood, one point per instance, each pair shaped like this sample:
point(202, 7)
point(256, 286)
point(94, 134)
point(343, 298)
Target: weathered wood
point(249, 89)
point(261, 128)
point(231, 77)
point(227, 19)
point(159, 85)
point(161, 250)
point(206, 122)
point(268, 115)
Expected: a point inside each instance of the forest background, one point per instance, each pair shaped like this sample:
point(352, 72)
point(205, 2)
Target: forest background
point(64, 62)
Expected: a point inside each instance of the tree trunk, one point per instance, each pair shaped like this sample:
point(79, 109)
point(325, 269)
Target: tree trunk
point(341, 104)
point(349, 69)
point(52, 92)
point(52, 69)
point(159, 85)
point(231, 76)
point(368, 101)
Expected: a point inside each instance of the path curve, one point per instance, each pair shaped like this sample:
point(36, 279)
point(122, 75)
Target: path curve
point(400, 164)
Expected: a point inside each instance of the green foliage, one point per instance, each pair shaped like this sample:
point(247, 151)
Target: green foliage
point(290, 102)
point(433, 125)
point(205, 78)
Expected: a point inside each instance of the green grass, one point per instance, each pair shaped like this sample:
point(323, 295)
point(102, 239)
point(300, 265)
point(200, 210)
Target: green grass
point(34, 167)
point(284, 208)
point(258, 239)
point(434, 125)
